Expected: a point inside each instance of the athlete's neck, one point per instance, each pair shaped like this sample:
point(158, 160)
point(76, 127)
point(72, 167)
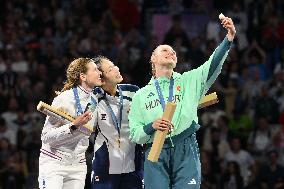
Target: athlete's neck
point(164, 71)
point(86, 88)
point(110, 88)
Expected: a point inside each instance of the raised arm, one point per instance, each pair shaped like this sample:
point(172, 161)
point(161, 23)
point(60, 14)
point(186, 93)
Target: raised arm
point(221, 50)
point(207, 73)
point(229, 25)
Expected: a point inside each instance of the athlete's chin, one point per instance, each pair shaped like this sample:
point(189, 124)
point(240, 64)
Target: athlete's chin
point(99, 83)
point(119, 79)
point(174, 65)
point(170, 64)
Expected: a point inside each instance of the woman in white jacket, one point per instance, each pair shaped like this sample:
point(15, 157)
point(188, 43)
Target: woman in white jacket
point(62, 163)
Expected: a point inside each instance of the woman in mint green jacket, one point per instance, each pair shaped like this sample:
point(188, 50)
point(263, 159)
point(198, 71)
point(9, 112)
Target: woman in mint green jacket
point(179, 163)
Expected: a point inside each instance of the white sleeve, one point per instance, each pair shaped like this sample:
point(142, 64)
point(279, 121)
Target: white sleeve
point(55, 131)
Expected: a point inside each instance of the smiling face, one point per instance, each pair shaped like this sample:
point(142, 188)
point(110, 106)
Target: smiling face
point(92, 77)
point(164, 55)
point(110, 72)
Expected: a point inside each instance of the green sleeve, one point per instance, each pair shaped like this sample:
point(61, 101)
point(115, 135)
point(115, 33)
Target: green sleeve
point(218, 55)
point(201, 77)
point(136, 122)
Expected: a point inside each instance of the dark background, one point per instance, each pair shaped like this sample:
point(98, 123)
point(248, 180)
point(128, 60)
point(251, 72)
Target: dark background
point(242, 138)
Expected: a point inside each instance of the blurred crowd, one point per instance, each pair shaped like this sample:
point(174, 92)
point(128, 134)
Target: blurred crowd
point(242, 138)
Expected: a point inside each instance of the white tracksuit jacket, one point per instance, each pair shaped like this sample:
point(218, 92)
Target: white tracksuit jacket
point(109, 157)
point(62, 162)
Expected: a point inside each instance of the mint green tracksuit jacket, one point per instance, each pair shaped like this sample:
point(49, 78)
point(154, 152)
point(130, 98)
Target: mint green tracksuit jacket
point(189, 87)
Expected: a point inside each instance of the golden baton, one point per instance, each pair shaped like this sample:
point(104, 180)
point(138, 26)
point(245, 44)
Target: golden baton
point(160, 136)
point(59, 115)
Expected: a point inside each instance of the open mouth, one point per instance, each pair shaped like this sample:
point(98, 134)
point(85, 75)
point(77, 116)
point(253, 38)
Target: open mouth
point(118, 75)
point(170, 57)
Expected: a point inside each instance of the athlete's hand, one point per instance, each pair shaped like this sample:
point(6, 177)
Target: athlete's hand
point(229, 25)
point(162, 125)
point(82, 119)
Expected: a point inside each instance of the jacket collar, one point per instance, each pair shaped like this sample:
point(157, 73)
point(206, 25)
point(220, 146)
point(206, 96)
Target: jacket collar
point(163, 79)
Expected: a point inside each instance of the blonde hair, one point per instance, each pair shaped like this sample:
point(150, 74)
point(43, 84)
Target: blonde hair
point(75, 68)
point(153, 70)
